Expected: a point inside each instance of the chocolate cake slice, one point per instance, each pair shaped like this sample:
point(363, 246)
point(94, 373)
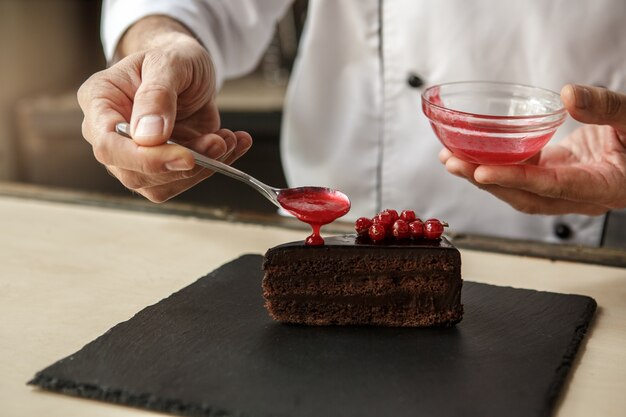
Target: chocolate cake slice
point(397, 283)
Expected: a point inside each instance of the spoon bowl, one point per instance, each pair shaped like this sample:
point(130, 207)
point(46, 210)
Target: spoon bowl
point(314, 205)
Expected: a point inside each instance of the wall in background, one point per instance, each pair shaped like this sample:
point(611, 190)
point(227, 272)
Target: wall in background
point(47, 47)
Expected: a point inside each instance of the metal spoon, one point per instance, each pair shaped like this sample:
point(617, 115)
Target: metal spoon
point(306, 212)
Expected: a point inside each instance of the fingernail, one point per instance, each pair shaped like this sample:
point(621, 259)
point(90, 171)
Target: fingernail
point(151, 125)
point(178, 165)
point(583, 97)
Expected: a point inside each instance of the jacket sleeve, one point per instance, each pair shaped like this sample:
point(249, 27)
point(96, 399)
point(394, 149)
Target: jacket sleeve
point(235, 32)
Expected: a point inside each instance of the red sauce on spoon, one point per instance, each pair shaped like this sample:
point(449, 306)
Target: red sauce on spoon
point(316, 206)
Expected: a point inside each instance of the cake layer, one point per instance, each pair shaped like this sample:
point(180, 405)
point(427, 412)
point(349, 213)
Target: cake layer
point(333, 313)
point(357, 264)
point(358, 284)
point(423, 301)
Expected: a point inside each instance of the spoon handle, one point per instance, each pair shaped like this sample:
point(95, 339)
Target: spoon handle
point(268, 192)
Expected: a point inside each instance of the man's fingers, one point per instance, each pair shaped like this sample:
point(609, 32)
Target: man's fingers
point(104, 105)
point(459, 167)
point(224, 145)
point(531, 203)
point(244, 143)
point(595, 105)
point(136, 180)
point(210, 145)
point(160, 187)
point(100, 122)
point(230, 140)
point(510, 184)
point(113, 149)
point(561, 183)
point(161, 193)
point(444, 155)
point(155, 101)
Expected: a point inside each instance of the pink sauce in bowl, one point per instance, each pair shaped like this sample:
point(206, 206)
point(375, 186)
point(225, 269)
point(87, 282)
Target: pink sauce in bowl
point(493, 123)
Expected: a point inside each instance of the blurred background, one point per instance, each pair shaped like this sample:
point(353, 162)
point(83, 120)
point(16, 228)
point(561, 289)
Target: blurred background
point(49, 47)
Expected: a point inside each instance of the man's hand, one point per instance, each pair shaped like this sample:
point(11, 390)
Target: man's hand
point(165, 87)
point(585, 173)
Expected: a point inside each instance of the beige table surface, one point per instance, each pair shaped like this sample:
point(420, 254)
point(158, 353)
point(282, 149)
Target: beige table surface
point(68, 273)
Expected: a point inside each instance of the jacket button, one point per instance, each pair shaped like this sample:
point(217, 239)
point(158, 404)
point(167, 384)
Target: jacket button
point(415, 81)
point(562, 231)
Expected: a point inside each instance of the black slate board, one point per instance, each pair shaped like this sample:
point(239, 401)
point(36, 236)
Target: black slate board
point(211, 350)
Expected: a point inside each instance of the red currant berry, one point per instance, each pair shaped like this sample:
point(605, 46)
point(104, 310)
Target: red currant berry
point(377, 232)
point(433, 229)
point(384, 219)
point(362, 225)
point(401, 229)
point(416, 229)
point(407, 215)
point(393, 213)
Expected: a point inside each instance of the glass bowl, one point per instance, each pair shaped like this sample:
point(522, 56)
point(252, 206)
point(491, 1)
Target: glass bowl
point(493, 123)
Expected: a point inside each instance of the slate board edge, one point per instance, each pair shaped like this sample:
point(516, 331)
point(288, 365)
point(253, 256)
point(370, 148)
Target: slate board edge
point(569, 357)
point(183, 408)
point(123, 397)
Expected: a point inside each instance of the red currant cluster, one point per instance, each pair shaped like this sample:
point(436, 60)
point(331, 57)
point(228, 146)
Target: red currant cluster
point(406, 225)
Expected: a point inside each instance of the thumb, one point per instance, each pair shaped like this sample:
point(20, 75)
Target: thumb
point(595, 105)
point(154, 104)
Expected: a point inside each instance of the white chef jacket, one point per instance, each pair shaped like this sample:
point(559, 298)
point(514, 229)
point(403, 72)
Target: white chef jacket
point(352, 121)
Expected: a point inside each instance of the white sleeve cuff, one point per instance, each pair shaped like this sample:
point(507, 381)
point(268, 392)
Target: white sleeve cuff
point(119, 15)
point(234, 32)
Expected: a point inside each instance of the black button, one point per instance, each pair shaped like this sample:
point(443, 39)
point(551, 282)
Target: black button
point(562, 231)
point(415, 81)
